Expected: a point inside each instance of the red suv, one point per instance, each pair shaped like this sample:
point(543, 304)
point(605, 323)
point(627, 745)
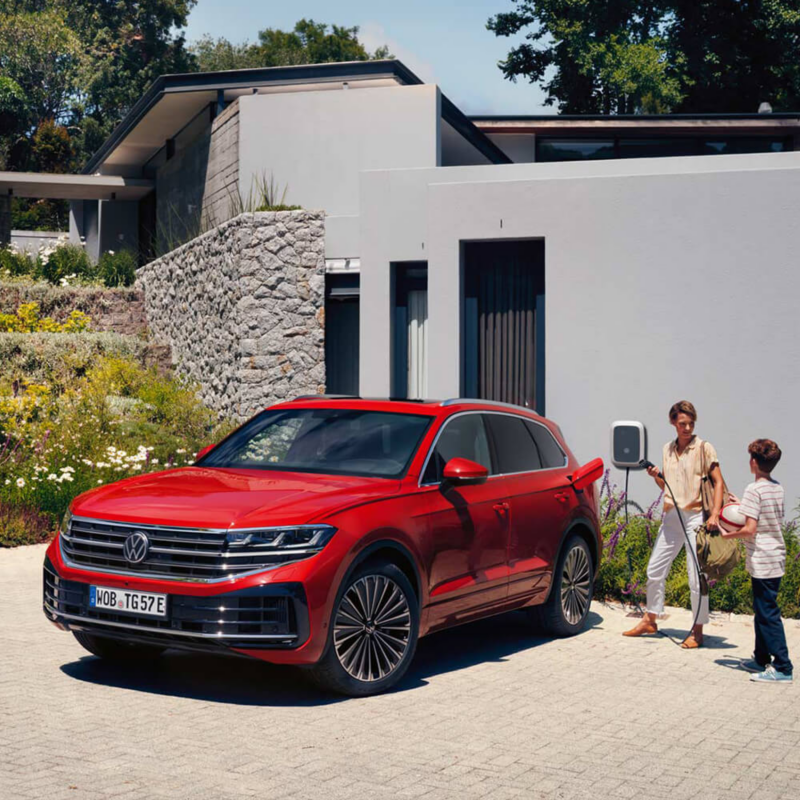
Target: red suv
point(332, 533)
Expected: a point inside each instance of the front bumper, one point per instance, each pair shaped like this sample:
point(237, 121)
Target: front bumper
point(258, 619)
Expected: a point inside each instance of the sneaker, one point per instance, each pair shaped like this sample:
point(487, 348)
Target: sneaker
point(770, 675)
point(752, 666)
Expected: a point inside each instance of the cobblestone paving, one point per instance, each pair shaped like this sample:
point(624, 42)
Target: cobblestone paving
point(488, 711)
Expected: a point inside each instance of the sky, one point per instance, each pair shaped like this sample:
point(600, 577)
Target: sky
point(443, 41)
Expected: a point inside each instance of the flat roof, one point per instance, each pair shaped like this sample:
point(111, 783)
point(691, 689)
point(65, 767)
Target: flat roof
point(780, 124)
point(172, 101)
point(73, 187)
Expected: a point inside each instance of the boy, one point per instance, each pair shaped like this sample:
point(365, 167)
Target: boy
point(762, 506)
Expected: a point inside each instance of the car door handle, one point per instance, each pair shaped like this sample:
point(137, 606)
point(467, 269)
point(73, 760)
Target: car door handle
point(501, 508)
point(562, 497)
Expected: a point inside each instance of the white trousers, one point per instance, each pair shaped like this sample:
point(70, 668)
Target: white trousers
point(668, 544)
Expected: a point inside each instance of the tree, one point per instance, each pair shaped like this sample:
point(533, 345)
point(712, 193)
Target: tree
point(627, 56)
point(738, 53)
point(216, 55)
point(129, 43)
point(43, 57)
point(308, 43)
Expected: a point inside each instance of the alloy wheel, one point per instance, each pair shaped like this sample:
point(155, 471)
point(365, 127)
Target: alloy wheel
point(576, 585)
point(372, 628)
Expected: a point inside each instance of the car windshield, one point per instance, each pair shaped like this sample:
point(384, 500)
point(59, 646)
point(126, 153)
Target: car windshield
point(334, 441)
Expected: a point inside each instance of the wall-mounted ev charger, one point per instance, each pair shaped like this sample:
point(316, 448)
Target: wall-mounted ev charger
point(628, 444)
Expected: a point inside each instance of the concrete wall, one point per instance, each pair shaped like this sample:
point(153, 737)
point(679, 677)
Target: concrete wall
point(665, 279)
point(242, 308)
point(5, 220)
point(198, 187)
point(119, 225)
point(316, 143)
point(32, 241)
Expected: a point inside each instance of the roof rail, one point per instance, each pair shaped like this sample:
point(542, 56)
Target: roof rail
point(324, 397)
point(453, 401)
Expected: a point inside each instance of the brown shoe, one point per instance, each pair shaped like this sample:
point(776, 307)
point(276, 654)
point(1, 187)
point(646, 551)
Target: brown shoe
point(644, 627)
point(691, 642)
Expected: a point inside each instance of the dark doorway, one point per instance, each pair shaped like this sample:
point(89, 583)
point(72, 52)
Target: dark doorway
point(503, 322)
point(341, 333)
point(410, 330)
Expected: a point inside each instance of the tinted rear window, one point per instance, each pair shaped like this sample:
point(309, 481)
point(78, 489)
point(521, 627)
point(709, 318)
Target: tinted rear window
point(516, 450)
point(329, 441)
point(549, 451)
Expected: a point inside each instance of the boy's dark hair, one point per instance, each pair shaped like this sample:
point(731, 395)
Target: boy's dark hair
point(682, 407)
point(766, 453)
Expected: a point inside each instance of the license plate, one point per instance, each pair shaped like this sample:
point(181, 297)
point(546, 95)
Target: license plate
point(147, 603)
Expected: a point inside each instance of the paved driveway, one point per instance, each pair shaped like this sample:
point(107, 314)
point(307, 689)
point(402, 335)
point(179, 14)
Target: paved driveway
point(486, 712)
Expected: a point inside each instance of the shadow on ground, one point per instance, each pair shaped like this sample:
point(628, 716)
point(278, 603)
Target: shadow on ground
point(241, 681)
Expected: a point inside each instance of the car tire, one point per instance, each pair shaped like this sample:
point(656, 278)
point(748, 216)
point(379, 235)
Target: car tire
point(114, 650)
point(565, 611)
point(373, 632)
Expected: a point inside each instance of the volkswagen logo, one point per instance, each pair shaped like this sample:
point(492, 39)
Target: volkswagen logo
point(136, 547)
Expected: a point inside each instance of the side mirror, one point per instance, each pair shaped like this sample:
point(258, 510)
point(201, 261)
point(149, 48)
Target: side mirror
point(463, 472)
point(205, 450)
point(587, 474)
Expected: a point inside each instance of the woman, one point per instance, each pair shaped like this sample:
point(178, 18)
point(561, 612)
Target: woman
point(685, 458)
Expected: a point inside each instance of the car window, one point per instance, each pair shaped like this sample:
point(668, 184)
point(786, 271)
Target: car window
point(463, 436)
point(341, 441)
point(549, 450)
point(516, 451)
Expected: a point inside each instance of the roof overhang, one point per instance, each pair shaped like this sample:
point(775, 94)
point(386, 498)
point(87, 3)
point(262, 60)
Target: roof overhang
point(73, 187)
point(172, 101)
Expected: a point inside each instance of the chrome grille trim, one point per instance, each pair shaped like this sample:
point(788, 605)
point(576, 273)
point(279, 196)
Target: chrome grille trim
point(94, 545)
point(237, 636)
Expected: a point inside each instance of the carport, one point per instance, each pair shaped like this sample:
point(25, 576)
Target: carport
point(93, 196)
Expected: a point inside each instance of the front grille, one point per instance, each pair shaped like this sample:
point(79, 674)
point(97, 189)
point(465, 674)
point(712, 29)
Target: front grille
point(180, 553)
point(248, 617)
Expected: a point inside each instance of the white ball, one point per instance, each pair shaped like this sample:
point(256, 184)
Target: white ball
point(731, 517)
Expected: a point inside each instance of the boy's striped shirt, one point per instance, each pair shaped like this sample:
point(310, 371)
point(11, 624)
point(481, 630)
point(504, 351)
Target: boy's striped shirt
point(766, 551)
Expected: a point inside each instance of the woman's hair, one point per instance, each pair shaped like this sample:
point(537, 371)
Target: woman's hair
point(766, 453)
point(682, 407)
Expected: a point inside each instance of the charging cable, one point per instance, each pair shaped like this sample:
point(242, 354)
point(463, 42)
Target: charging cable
point(701, 578)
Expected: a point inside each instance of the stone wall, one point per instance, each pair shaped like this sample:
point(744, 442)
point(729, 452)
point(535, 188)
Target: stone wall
point(242, 308)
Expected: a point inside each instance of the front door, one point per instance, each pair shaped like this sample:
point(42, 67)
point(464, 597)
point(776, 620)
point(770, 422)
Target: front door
point(541, 500)
point(467, 528)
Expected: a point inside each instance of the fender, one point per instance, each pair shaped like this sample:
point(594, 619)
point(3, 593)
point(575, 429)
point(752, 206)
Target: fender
point(359, 558)
point(582, 521)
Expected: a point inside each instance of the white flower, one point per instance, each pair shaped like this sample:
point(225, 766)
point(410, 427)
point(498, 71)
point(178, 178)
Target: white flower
point(110, 252)
point(52, 477)
point(180, 450)
point(20, 482)
point(100, 481)
point(8, 480)
point(154, 461)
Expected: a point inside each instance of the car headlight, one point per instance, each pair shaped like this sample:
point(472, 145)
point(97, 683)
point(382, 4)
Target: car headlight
point(301, 541)
point(65, 522)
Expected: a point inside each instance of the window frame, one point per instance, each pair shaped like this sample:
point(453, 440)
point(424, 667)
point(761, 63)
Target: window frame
point(492, 446)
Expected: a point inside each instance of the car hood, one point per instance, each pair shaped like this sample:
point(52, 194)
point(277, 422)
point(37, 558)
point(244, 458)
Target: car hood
point(207, 497)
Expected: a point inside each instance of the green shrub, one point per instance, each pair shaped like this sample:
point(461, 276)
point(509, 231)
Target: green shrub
point(627, 545)
point(64, 262)
point(16, 263)
point(59, 361)
point(117, 268)
point(117, 420)
point(22, 525)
